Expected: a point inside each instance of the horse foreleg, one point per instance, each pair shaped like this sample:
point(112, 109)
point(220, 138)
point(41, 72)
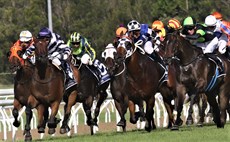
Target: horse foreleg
point(121, 104)
point(87, 108)
point(102, 96)
point(17, 107)
point(224, 102)
point(42, 118)
point(71, 101)
point(189, 120)
point(215, 108)
point(149, 125)
point(202, 106)
point(52, 122)
point(29, 115)
point(179, 101)
point(131, 105)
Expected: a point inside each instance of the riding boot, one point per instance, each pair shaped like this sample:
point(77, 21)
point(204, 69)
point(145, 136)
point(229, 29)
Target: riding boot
point(70, 81)
point(156, 57)
point(104, 75)
point(218, 62)
point(227, 55)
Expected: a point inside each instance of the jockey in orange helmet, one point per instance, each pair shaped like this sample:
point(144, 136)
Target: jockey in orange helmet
point(223, 25)
point(158, 27)
point(121, 30)
point(173, 24)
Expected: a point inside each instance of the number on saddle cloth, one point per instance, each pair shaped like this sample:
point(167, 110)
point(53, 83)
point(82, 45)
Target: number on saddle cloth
point(100, 71)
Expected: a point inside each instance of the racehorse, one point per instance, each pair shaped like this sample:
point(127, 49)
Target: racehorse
point(89, 89)
point(198, 74)
point(48, 83)
point(199, 99)
point(145, 76)
point(22, 96)
point(119, 88)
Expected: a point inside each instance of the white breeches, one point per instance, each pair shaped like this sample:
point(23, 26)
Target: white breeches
point(148, 47)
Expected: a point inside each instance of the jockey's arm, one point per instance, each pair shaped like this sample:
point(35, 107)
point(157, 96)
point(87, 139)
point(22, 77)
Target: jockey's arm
point(90, 51)
point(29, 52)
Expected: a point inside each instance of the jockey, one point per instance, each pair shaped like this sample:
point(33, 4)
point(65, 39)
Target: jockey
point(25, 41)
point(205, 39)
point(173, 25)
point(158, 27)
point(142, 35)
point(58, 52)
point(215, 27)
point(82, 50)
point(121, 30)
point(223, 25)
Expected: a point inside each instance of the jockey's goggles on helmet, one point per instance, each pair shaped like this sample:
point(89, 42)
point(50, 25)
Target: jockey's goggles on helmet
point(26, 42)
point(189, 27)
point(75, 43)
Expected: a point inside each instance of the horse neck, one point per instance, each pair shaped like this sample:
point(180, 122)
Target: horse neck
point(188, 53)
point(133, 64)
point(44, 70)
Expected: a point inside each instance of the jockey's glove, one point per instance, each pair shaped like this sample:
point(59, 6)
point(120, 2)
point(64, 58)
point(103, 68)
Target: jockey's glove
point(56, 62)
point(85, 59)
point(25, 56)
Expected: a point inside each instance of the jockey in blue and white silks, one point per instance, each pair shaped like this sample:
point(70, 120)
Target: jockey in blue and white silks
point(58, 52)
point(142, 36)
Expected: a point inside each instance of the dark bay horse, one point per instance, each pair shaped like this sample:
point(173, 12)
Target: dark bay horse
point(173, 83)
point(198, 74)
point(89, 89)
point(145, 76)
point(22, 95)
point(120, 88)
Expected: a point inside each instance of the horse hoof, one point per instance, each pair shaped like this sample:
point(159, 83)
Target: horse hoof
point(180, 122)
point(121, 124)
point(142, 118)
point(16, 123)
point(28, 138)
point(199, 124)
point(64, 130)
point(51, 131)
point(41, 130)
point(148, 129)
point(175, 127)
point(189, 122)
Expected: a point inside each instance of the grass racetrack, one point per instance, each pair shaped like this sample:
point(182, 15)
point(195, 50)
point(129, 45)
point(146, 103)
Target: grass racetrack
point(207, 133)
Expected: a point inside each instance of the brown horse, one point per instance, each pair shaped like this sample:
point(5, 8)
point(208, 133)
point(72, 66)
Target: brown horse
point(48, 84)
point(145, 76)
point(89, 89)
point(22, 96)
point(198, 74)
point(120, 88)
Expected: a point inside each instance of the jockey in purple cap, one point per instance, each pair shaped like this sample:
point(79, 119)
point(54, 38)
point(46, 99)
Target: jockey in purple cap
point(58, 52)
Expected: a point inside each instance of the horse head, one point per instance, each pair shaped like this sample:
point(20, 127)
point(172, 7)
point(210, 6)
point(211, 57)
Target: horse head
point(41, 53)
point(109, 55)
point(15, 58)
point(125, 49)
point(177, 47)
point(41, 50)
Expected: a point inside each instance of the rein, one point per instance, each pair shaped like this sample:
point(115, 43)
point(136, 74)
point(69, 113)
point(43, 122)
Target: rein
point(122, 71)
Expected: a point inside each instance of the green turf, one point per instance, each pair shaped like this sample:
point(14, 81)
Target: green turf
point(208, 133)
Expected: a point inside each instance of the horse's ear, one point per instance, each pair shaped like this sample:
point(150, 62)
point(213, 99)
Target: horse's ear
point(121, 34)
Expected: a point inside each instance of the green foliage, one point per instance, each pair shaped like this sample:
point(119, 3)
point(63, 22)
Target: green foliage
point(95, 19)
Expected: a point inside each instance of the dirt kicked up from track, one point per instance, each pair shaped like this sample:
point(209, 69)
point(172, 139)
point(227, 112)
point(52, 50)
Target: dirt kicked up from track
point(81, 130)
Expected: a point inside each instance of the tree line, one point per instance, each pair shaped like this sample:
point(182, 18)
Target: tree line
point(96, 20)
